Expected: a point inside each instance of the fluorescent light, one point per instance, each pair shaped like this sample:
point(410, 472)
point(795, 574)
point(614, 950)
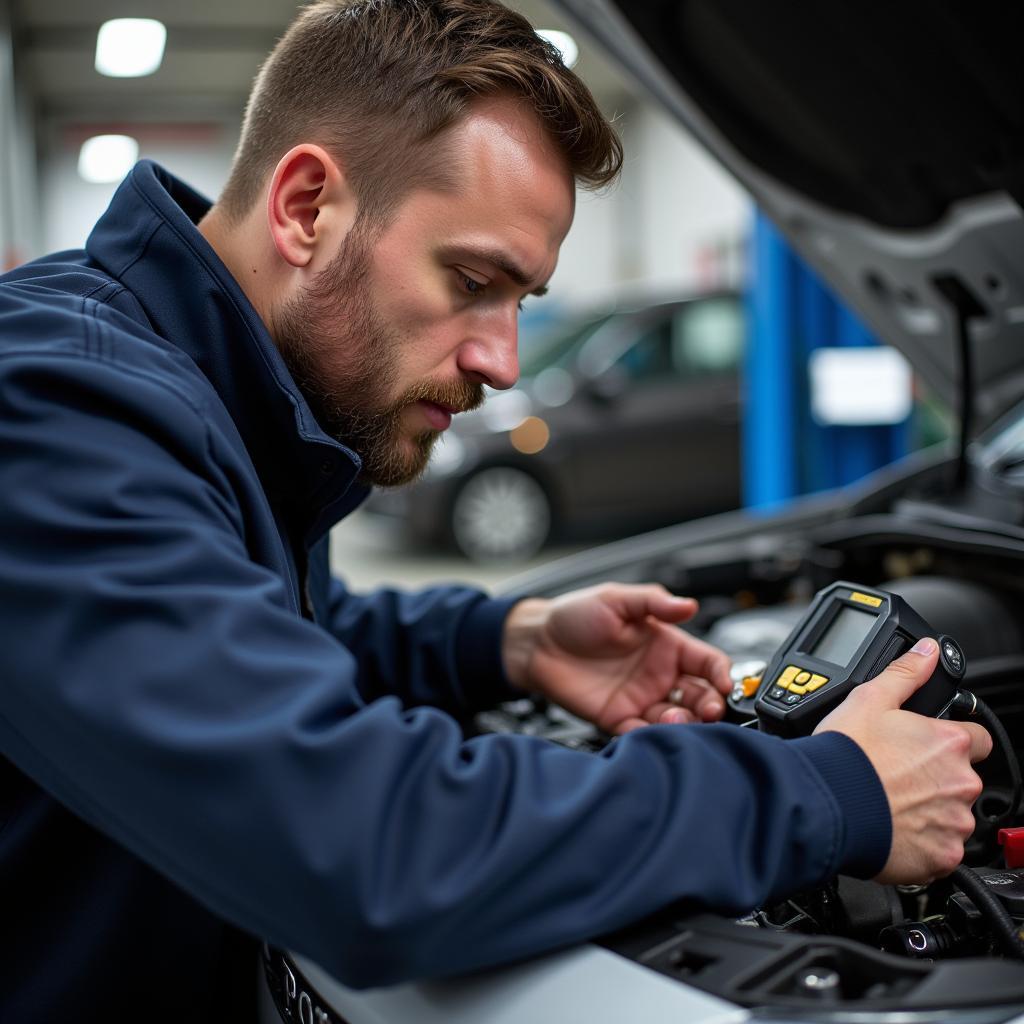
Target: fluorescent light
point(130, 47)
point(105, 158)
point(563, 42)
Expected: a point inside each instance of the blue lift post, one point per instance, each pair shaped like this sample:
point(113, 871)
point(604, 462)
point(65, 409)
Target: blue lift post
point(785, 452)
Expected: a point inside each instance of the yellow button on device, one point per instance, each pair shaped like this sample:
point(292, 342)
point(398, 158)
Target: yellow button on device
point(802, 677)
point(787, 674)
point(794, 688)
point(816, 683)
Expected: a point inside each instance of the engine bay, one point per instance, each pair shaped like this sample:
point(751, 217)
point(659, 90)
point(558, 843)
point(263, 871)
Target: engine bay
point(854, 944)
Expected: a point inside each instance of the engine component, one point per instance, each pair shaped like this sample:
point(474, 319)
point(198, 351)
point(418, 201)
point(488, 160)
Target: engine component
point(921, 940)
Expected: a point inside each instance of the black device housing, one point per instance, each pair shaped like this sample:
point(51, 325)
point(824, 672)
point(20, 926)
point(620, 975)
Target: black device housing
point(848, 635)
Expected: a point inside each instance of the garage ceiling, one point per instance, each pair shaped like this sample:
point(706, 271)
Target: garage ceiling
point(213, 50)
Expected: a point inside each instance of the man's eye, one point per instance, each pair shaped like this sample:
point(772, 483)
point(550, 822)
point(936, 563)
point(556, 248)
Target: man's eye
point(472, 286)
point(476, 288)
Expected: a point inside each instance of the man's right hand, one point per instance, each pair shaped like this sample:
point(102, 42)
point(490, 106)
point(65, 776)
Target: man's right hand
point(924, 765)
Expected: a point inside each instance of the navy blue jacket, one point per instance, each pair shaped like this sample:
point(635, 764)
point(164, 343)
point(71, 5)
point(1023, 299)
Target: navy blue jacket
point(209, 740)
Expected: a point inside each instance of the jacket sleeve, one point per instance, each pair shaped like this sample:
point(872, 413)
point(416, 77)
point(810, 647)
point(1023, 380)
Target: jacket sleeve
point(439, 646)
point(155, 681)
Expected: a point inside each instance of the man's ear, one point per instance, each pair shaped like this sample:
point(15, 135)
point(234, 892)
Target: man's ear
point(310, 205)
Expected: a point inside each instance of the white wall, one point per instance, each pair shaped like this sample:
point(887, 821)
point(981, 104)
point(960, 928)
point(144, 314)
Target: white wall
point(688, 208)
point(674, 222)
point(71, 206)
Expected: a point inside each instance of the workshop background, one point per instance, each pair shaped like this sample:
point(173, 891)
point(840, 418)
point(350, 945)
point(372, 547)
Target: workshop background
point(676, 235)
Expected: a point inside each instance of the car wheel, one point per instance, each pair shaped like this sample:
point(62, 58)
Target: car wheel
point(500, 513)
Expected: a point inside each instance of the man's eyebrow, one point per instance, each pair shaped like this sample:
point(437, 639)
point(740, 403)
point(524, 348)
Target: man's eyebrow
point(508, 267)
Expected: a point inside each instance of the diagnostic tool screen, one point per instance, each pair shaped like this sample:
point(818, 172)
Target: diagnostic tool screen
point(844, 635)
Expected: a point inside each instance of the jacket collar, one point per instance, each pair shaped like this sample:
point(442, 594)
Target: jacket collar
point(148, 240)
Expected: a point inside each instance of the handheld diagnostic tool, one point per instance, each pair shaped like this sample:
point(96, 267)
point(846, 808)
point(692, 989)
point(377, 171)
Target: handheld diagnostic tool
point(848, 635)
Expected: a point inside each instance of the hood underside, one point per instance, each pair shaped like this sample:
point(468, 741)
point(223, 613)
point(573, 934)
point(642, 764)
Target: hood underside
point(885, 141)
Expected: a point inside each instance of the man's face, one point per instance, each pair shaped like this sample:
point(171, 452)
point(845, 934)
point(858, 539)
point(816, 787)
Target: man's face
point(404, 326)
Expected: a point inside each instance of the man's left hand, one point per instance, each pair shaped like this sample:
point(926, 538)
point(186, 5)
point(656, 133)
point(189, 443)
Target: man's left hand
point(613, 654)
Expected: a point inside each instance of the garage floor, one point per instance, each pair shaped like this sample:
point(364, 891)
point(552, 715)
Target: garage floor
point(369, 550)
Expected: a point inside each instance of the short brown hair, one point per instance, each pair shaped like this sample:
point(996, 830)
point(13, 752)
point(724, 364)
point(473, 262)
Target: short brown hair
point(374, 81)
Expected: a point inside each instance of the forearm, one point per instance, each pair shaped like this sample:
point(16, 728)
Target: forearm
point(441, 646)
point(409, 853)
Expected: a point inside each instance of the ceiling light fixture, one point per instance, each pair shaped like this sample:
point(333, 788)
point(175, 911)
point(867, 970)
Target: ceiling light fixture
point(130, 47)
point(563, 42)
point(106, 158)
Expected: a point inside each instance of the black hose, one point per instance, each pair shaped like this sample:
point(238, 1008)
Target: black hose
point(968, 705)
point(989, 906)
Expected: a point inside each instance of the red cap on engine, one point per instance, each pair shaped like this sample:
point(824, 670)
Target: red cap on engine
point(1012, 841)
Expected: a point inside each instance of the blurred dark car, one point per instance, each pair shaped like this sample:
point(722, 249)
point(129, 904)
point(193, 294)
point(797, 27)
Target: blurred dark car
point(623, 420)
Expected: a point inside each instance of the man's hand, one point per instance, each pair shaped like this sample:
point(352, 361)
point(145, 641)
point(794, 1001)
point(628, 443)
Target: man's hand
point(613, 654)
point(924, 765)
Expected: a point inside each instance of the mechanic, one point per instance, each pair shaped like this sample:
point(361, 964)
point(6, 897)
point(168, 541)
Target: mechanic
point(208, 742)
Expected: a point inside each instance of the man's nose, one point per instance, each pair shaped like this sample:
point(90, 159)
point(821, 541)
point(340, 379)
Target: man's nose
point(491, 357)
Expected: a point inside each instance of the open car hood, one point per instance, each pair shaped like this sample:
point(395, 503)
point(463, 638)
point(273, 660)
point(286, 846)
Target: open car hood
point(885, 141)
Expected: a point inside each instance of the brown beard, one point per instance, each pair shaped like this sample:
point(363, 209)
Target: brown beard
point(344, 357)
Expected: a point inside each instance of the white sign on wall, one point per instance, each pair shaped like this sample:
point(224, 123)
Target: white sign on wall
point(859, 386)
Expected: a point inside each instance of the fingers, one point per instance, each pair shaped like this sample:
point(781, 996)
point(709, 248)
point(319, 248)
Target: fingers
point(691, 700)
point(981, 741)
point(637, 601)
point(628, 725)
point(898, 682)
point(657, 714)
point(697, 658)
point(698, 703)
point(711, 708)
point(669, 714)
point(697, 695)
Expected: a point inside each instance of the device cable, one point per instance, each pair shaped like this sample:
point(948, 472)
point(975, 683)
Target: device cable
point(967, 705)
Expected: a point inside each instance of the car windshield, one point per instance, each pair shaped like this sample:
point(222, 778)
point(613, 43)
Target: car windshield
point(703, 336)
point(552, 348)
